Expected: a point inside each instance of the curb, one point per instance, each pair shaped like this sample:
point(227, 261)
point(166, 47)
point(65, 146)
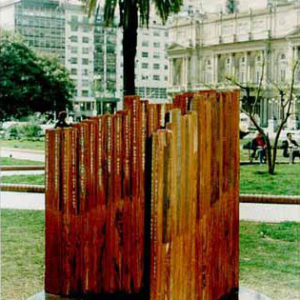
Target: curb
point(23, 168)
point(24, 188)
point(269, 199)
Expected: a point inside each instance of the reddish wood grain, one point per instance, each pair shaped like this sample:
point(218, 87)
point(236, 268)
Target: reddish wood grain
point(101, 176)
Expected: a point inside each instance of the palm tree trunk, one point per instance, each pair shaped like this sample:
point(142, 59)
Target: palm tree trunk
point(129, 47)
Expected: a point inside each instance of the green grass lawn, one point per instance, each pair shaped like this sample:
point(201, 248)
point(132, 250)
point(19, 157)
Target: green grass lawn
point(255, 179)
point(8, 161)
point(269, 261)
point(23, 144)
point(22, 261)
point(23, 179)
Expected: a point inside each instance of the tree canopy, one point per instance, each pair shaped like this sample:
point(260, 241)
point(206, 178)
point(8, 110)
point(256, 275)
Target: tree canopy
point(31, 82)
point(231, 6)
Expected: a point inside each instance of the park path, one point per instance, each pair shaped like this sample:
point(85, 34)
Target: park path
point(36, 155)
point(248, 211)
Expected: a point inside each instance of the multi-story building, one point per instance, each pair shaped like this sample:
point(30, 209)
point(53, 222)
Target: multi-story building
point(90, 51)
point(204, 50)
point(151, 63)
point(83, 45)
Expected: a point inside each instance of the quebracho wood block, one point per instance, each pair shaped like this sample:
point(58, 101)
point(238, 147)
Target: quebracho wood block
point(143, 204)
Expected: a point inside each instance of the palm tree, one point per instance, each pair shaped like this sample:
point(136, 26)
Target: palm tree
point(132, 12)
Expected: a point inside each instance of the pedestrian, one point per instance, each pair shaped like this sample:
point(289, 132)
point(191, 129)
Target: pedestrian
point(259, 145)
point(61, 123)
point(291, 148)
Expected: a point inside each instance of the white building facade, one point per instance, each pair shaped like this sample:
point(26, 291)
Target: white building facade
point(205, 50)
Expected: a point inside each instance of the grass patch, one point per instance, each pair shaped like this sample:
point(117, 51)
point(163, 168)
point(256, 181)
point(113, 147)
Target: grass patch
point(8, 161)
point(255, 179)
point(22, 263)
point(23, 144)
point(23, 179)
point(269, 258)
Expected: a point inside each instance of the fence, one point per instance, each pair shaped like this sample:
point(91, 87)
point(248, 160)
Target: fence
point(145, 202)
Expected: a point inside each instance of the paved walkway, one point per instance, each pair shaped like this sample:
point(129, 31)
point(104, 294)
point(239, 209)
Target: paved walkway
point(269, 212)
point(36, 155)
point(248, 211)
point(32, 201)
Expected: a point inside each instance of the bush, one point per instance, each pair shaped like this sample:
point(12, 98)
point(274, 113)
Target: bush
point(26, 131)
point(12, 132)
point(30, 131)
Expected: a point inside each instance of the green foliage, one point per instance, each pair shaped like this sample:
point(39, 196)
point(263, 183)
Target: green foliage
point(255, 179)
point(163, 8)
point(24, 179)
point(231, 6)
point(25, 131)
point(8, 161)
point(286, 231)
point(269, 260)
point(24, 144)
point(30, 82)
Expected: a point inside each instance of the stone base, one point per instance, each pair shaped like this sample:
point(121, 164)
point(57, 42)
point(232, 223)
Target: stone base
point(244, 294)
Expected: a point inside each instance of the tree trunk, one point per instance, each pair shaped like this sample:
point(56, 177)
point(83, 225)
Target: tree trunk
point(129, 47)
point(270, 161)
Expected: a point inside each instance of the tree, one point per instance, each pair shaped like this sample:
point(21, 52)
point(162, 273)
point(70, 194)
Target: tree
point(286, 96)
point(231, 6)
point(30, 82)
point(131, 13)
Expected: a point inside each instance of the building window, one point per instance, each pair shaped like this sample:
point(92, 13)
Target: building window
point(145, 54)
point(166, 67)
point(144, 66)
point(85, 39)
point(74, 27)
point(74, 19)
point(85, 20)
point(155, 77)
point(156, 55)
point(85, 28)
point(74, 50)
point(156, 33)
point(145, 43)
point(85, 72)
point(85, 61)
point(74, 39)
point(242, 76)
point(166, 34)
point(156, 66)
point(282, 75)
point(73, 60)
point(156, 44)
point(85, 50)
point(166, 78)
point(73, 71)
point(84, 93)
point(85, 83)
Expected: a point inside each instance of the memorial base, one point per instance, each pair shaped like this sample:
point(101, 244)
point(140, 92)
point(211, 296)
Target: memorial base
point(242, 294)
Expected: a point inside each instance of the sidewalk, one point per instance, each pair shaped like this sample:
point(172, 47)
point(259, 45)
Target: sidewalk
point(248, 211)
point(31, 201)
point(35, 155)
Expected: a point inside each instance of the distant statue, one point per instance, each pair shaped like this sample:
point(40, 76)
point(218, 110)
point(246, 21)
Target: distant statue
point(61, 123)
